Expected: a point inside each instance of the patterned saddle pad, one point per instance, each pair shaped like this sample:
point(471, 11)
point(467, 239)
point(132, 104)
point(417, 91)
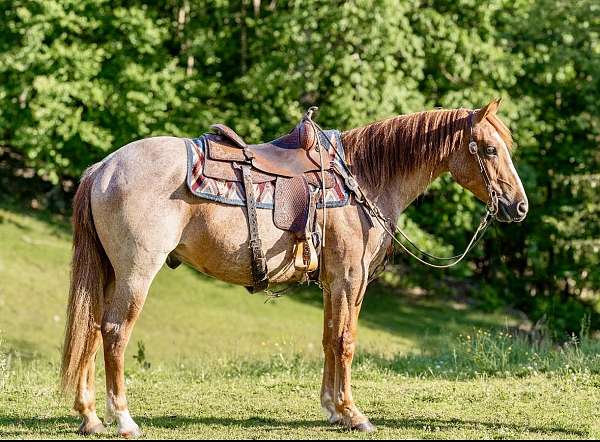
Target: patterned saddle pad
point(232, 192)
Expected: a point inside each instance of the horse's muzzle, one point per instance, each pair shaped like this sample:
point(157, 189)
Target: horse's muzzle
point(511, 212)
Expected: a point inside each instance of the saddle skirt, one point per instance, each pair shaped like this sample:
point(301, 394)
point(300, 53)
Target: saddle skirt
point(228, 188)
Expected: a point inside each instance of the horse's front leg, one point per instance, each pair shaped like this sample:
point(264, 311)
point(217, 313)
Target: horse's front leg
point(327, 394)
point(346, 299)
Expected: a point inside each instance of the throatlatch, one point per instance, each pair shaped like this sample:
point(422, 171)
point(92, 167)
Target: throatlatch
point(260, 275)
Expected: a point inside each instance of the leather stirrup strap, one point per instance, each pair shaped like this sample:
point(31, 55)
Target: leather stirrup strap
point(259, 263)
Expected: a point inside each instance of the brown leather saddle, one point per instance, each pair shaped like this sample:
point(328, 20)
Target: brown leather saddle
point(296, 163)
point(291, 155)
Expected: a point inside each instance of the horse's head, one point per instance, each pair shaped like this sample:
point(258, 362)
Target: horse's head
point(483, 165)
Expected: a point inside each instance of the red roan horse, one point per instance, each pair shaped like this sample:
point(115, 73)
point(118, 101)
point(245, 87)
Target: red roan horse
point(133, 209)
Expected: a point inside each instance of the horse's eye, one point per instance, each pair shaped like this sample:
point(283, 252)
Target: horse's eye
point(491, 150)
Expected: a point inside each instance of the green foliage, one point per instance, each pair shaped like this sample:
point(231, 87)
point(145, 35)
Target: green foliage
point(140, 356)
point(509, 353)
point(497, 353)
point(79, 79)
point(538, 52)
point(559, 247)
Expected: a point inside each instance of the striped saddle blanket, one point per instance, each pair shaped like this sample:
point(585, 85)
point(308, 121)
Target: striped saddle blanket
point(232, 192)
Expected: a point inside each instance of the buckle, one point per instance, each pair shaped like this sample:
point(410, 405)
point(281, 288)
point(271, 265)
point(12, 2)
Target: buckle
point(493, 203)
point(248, 154)
point(473, 147)
point(351, 184)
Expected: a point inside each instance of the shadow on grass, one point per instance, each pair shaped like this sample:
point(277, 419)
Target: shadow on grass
point(413, 319)
point(395, 424)
point(254, 422)
point(59, 224)
point(56, 425)
point(465, 424)
point(21, 350)
point(68, 425)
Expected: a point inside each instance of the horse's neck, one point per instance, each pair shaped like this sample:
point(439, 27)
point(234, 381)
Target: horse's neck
point(401, 191)
point(424, 139)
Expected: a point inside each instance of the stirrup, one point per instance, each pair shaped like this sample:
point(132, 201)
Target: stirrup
point(306, 259)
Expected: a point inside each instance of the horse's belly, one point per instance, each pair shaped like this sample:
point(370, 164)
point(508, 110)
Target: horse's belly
point(215, 242)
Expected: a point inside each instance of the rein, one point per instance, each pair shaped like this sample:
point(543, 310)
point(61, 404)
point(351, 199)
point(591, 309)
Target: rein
point(392, 229)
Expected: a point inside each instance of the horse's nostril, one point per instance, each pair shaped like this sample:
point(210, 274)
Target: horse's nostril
point(522, 208)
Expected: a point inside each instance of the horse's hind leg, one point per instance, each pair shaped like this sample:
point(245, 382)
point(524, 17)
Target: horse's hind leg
point(121, 311)
point(85, 398)
point(85, 395)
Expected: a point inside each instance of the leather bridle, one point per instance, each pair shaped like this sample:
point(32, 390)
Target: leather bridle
point(492, 204)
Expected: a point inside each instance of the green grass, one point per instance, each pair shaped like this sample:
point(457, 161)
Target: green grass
point(221, 363)
point(208, 404)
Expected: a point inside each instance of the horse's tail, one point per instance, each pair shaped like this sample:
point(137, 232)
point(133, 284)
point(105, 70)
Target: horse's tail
point(90, 268)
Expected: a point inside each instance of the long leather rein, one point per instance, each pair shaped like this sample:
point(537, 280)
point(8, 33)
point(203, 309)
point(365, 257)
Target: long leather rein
point(392, 229)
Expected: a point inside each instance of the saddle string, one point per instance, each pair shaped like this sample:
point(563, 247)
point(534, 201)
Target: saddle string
point(308, 115)
point(373, 210)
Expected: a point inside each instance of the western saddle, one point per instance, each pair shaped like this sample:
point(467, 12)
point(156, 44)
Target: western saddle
point(301, 167)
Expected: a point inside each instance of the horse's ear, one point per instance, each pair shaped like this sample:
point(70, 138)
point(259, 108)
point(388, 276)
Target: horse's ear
point(490, 109)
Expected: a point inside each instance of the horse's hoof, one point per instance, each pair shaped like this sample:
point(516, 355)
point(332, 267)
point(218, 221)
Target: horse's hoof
point(131, 433)
point(335, 419)
point(86, 430)
point(365, 427)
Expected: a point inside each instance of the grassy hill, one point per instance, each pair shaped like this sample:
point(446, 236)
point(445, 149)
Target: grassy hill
point(224, 363)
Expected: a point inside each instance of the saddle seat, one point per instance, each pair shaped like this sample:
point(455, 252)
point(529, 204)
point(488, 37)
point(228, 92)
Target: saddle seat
point(290, 156)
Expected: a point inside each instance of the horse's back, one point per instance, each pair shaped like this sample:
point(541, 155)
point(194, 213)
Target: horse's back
point(150, 159)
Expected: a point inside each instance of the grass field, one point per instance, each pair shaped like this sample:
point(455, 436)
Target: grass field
point(207, 360)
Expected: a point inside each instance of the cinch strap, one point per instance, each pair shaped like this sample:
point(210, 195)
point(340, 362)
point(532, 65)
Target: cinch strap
point(260, 278)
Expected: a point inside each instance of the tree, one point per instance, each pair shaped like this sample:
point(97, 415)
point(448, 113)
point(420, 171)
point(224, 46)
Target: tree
point(80, 78)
